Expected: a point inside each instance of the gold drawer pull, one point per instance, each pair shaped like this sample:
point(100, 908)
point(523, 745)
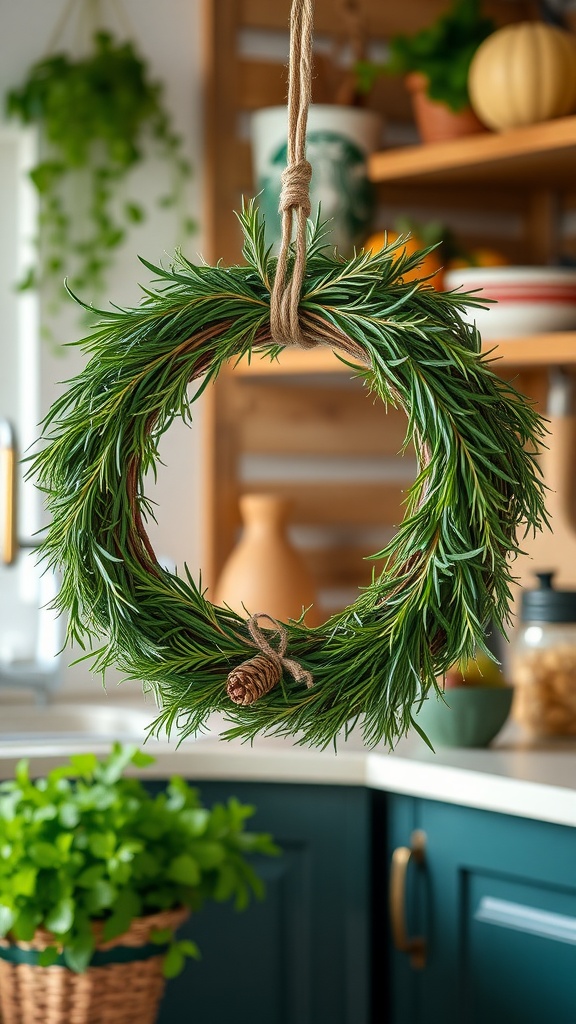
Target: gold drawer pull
point(416, 946)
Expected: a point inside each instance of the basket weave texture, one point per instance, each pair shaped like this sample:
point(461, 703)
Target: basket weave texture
point(118, 993)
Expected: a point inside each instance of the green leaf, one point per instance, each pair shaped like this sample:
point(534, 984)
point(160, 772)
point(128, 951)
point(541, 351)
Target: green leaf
point(84, 765)
point(48, 956)
point(23, 881)
point(22, 772)
point(189, 948)
point(184, 869)
point(91, 876)
point(44, 855)
point(78, 952)
point(142, 760)
point(196, 820)
point(26, 923)
point(102, 844)
point(110, 770)
point(61, 918)
point(127, 907)
point(6, 919)
point(209, 854)
point(174, 961)
point(134, 212)
point(101, 896)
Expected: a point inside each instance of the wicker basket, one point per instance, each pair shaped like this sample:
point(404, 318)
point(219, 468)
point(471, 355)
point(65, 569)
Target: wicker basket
point(127, 991)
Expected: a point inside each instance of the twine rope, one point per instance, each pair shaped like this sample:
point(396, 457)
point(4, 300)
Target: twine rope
point(294, 205)
point(301, 675)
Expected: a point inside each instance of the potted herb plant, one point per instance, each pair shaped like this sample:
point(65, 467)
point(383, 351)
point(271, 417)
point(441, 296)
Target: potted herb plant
point(118, 118)
point(96, 874)
point(435, 63)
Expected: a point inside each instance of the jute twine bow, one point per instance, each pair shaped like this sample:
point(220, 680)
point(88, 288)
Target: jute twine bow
point(260, 674)
point(285, 326)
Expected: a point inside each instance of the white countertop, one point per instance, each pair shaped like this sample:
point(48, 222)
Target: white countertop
point(513, 776)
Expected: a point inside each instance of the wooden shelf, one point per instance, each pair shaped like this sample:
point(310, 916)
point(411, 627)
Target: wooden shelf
point(537, 154)
point(557, 348)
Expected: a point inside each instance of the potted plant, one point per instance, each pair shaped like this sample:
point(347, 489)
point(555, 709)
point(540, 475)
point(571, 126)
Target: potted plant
point(435, 62)
point(96, 874)
point(85, 159)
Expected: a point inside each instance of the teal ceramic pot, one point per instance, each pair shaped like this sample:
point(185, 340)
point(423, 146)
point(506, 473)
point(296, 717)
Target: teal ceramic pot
point(469, 716)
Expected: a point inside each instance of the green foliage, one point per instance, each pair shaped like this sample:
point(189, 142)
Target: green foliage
point(95, 115)
point(442, 52)
point(436, 585)
point(87, 844)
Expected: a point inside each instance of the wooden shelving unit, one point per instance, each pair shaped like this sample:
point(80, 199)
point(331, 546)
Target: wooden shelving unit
point(304, 410)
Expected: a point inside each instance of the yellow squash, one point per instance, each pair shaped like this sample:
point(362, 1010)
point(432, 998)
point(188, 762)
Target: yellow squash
point(522, 74)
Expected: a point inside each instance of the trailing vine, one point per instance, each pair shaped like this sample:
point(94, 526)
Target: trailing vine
point(96, 115)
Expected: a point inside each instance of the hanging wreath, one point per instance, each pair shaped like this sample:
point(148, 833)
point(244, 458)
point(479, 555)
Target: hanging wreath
point(441, 579)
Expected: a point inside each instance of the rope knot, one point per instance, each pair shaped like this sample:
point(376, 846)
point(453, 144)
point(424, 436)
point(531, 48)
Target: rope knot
point(260, 674)
point(285, 327)
point(295, 192)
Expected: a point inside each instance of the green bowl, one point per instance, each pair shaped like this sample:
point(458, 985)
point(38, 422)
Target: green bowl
point(469, 716)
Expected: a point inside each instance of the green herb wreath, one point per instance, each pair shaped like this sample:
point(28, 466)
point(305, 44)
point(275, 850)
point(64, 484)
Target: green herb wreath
point(445, 574)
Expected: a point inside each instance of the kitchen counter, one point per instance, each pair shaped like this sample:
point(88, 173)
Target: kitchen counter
point(513, 776)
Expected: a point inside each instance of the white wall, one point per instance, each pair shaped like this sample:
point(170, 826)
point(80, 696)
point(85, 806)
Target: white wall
point(167, 32)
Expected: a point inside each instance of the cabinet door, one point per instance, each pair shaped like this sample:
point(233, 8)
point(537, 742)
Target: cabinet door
point(496, 901)
point(302, 955)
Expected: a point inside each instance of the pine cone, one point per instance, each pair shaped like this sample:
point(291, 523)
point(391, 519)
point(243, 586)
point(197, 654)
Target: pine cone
point(252, 679)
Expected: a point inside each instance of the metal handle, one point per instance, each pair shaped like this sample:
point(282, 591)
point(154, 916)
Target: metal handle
point(415, 946)
point(8, 540)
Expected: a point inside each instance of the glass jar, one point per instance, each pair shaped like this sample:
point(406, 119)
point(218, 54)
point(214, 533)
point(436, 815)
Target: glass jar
point(543, 661)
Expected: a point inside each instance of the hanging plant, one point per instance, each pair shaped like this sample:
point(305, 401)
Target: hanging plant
point(96, 115)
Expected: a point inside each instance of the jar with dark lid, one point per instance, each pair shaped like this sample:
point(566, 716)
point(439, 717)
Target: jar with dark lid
point(543, 661)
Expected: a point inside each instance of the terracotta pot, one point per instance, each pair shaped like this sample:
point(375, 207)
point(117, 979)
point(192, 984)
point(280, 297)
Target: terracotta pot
point(265, 573)
point(435, 121)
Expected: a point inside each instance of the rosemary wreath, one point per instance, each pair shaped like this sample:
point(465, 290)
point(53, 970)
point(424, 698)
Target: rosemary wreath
point(436, 585)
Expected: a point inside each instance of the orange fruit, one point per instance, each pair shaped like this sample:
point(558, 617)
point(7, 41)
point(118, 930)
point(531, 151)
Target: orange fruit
point(431, 264)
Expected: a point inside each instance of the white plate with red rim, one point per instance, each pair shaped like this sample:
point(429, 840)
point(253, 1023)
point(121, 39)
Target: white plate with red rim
point(530, 300)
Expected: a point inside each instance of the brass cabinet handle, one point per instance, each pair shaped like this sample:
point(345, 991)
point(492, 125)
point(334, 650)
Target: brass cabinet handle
point(9, 546)
point(415, 946)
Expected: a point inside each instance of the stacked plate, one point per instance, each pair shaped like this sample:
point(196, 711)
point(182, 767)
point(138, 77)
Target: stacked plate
point(530, 300)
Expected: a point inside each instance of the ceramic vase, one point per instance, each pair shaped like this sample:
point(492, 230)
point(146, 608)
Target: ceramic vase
point(264, 572)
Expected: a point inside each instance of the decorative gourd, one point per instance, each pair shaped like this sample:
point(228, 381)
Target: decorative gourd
point(523, 74)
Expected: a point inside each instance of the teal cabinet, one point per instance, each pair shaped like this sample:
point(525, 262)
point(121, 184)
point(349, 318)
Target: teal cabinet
point(495, 899)
point(302, 956)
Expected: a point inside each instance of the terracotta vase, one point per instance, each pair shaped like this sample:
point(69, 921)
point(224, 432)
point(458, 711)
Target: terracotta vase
point(264, 572)
point(435, 121)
